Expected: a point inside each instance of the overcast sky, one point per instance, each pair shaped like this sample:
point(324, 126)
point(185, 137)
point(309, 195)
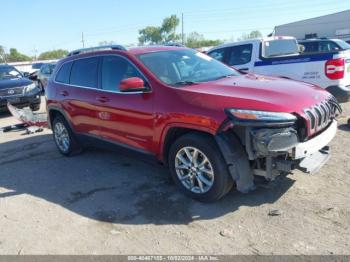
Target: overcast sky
point(45, 25)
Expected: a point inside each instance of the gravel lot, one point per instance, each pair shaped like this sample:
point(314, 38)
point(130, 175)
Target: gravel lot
point(120, 202)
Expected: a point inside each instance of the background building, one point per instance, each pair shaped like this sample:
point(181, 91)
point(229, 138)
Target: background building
point(335, 25)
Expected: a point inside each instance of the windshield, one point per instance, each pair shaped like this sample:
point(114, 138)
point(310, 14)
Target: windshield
point(280, 47)
point(343, 45)
point(185, 67)
point(9, 72)
point(37, 65)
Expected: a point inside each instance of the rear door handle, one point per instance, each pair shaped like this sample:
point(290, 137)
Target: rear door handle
point(64, 93)
point(102, 99)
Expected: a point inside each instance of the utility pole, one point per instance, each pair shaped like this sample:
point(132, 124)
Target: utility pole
point(35, 51)
point(82, 39)
point(182, 29)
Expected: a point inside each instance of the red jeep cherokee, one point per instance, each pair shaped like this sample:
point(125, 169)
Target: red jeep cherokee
point(211, 125)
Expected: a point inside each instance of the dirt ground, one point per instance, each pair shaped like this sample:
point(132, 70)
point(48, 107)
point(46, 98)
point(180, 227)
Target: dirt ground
point(120, 202)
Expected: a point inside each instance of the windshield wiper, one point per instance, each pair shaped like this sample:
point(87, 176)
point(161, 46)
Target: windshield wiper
point(185, 83)
point(223, 76)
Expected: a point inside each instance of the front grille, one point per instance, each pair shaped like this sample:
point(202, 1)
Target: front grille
point(320, 115)
point(15, 91)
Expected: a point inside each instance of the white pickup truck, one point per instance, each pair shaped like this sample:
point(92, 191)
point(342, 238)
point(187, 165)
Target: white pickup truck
point(279, 56)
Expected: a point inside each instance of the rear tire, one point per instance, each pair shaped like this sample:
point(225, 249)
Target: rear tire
point(204, 182)
point(64, 138)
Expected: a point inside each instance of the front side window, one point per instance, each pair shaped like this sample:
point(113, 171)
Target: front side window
point(240, 54)
point(50, 68)
point(114, 70)
point(218, 54)
point(44, 69)
point(64, 73)
point(327, 46)
point(84, 72)
point(185, 66)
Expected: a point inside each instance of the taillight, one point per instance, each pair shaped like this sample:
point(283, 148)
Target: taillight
point(335, 68)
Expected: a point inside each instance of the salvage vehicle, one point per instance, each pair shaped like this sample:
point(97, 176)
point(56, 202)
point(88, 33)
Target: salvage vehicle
point(17, 89)
point(44, 74)
point(279, 56)
point(33, 72)
point(321, 45)
point(211, 125)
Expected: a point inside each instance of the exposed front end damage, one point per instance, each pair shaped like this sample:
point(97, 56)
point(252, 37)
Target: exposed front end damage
point(273, 148)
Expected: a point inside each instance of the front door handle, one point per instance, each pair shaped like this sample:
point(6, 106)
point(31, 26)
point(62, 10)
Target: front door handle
point(64, 93)
point(102, 99)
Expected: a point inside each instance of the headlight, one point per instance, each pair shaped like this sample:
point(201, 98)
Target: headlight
point(261, 116)
point(31, 89)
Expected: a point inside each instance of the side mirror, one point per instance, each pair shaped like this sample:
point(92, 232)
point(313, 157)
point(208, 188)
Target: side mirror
point(132, 84)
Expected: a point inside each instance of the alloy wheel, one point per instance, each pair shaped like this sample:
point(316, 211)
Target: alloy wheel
point(194, 170)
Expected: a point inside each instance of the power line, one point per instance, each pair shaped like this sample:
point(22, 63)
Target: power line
point(256, 6)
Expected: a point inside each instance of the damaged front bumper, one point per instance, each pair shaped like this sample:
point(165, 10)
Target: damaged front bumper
point(314, 154)
point(273, 151)
point(284, 153)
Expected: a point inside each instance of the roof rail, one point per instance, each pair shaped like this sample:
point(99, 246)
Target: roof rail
point(97, 48)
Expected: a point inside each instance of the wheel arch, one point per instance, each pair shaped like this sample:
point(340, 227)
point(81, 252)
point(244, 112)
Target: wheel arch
point(53, 112)
point(174, 132)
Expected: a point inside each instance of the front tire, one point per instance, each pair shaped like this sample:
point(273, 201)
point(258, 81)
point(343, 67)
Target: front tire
point(64, 137)
point(198, 168)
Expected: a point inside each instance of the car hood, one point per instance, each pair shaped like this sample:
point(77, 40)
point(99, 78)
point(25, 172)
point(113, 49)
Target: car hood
point(15, 82)
point(256, 92)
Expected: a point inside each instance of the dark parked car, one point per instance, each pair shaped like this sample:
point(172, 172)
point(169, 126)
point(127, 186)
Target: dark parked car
point(44, 74)
point(211, 125)
point(323, 45)
point(17, 89)
point(33, 72)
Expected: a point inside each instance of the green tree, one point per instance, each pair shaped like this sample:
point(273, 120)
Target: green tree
point(102, 43)
point(168, 29)
point(150, 34)
point(158, 34)
point(15, 56)
point(54, 54)
point(2, 54)
point(196, 40)
point(251, 35)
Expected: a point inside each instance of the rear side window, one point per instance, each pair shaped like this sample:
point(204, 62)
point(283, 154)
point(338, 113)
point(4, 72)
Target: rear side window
point(63, 73)
point(116, 69)
point(218, 54)
point(279, 47)
point(240, 55)
point(84, 72)
point(310, 47)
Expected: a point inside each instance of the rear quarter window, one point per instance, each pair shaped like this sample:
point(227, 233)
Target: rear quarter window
point(64, 73)
point(279, 47)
